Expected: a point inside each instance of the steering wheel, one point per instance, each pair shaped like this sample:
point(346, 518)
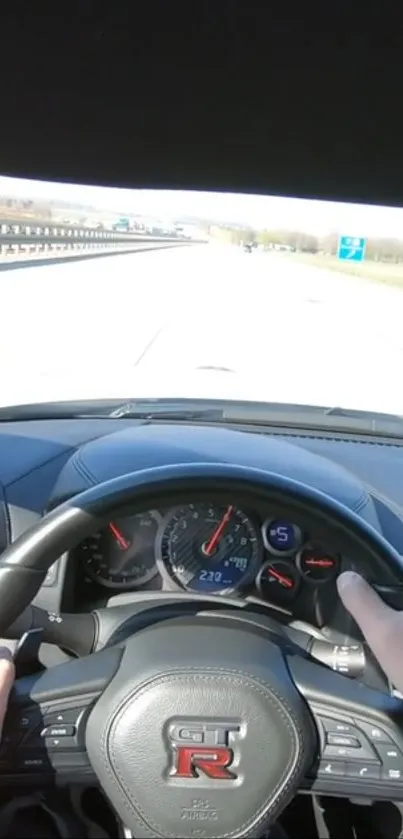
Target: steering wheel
point(174, 717)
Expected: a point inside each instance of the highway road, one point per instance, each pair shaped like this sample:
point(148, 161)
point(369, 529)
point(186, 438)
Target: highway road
point(154, 324)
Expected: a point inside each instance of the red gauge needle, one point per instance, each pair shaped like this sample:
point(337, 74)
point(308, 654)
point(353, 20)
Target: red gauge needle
point(322, 563)
point(119, 536)
point(285, 581)
point(213, 542)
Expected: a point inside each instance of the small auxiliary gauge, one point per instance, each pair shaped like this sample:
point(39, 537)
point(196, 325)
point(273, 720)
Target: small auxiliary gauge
point(316, 564)
point(277, 581)
point(281, 537)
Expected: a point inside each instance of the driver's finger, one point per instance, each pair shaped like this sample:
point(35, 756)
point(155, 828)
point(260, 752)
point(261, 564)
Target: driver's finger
point(381, 626)
point(364, 604)
point(7, 676)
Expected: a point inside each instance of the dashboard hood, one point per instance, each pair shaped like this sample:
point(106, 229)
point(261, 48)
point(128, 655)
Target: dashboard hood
point(114, 380)
point(135, 447)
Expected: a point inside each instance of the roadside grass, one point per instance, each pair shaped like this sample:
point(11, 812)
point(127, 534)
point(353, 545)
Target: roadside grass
point(377, 272)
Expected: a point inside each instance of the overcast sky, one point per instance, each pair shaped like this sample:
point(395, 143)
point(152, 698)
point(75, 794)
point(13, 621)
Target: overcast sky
point(319, 217)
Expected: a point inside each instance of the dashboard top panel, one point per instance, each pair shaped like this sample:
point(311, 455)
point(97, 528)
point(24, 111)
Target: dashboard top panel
point(156, 445)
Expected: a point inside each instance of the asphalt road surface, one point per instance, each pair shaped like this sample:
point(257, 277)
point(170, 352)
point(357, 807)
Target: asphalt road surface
point(155, 323)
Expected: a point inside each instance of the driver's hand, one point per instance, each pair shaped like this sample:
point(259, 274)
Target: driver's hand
point(381, 626)
point(7, 676)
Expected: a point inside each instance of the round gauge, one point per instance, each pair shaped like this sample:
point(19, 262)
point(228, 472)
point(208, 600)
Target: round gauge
point(209, 548)
point(122, 555)
point(316, 564)
point(281, 536)
point(277, 580)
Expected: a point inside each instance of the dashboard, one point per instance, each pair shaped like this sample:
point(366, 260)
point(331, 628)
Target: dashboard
point(217, 548)
point(210, 548)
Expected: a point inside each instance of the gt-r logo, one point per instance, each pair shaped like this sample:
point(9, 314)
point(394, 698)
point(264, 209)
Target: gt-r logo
point(203, 748)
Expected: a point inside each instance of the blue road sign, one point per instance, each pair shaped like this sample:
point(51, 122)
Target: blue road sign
point(352, 248)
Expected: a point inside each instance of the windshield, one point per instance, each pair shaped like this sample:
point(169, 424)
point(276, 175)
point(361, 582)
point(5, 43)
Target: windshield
point(133, 294)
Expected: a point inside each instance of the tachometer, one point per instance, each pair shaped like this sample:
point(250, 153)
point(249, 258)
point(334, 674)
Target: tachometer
point(209, 548)
point(122, 555)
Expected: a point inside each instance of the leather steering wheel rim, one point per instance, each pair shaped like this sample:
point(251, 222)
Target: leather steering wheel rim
point(254, 707)
point(24, 564)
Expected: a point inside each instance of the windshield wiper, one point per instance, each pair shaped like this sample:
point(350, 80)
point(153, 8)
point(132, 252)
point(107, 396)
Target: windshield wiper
point(137, 410)
point(278, 414)
point(143, 409)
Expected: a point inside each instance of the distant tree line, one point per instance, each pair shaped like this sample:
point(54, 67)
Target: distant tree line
point(24, 209)
point(377, 249)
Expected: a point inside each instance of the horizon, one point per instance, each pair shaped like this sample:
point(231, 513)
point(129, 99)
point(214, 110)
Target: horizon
point(310, 216)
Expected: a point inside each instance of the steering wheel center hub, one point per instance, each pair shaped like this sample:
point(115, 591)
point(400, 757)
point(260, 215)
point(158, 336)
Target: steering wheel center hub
point(186, 724)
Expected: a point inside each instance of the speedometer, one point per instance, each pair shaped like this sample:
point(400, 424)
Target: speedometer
point(209, 548)
point(123, 555)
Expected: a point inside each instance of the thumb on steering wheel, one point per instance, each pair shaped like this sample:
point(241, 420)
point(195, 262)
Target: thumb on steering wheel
point(381, 626)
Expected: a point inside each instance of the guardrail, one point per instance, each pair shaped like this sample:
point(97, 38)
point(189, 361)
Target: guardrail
point(24, 242)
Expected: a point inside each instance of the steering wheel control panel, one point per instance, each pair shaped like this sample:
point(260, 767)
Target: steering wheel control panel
point(43, 741)
point(356, 750)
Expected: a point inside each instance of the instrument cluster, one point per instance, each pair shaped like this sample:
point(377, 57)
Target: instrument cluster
point(209, 549)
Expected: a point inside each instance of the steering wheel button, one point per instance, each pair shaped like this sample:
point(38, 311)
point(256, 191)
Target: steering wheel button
point(25, 720)
point(336, 767)
point(390, 774)
point(59, 731)
point(349, 752)
point(390, 756)
point(343, 740)
point(27, 723)
point(363, 770)
point(64, 716)
point(337, 726)
point(375, 734)
point(392, 760)
point(61, 743)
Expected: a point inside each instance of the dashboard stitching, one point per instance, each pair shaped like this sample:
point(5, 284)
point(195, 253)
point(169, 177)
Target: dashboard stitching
point(82, 468)
point(361, 503)
point(387, 502)
point(226, 675)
